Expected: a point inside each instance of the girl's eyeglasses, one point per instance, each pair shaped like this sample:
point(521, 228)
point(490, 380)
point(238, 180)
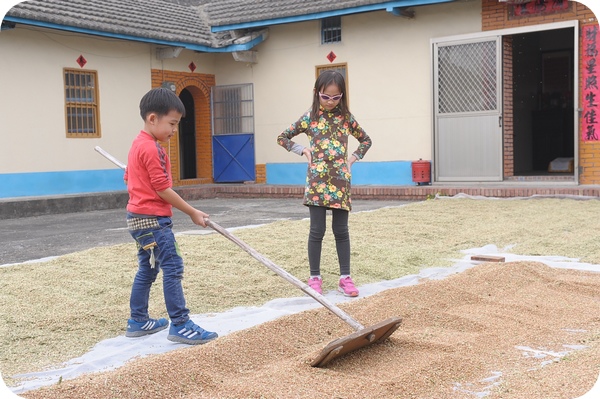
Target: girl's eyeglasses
point(325, 97)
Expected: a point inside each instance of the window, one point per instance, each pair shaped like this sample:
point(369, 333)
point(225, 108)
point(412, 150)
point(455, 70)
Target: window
point(233, 109)
point(81, 103)
point(331, 30)
point(341, 68)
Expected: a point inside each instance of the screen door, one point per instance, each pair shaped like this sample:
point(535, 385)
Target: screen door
point(467, 105)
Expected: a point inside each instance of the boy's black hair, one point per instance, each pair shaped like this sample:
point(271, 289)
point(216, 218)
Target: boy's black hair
point(160, 101)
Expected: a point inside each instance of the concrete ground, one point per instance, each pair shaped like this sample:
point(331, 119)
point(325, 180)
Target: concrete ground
point(31, 238)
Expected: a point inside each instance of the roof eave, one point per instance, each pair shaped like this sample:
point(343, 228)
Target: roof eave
point(390, 7)
point(189, 46)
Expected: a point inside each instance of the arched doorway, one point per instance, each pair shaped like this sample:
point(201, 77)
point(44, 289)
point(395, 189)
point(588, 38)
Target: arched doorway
point(187, 138)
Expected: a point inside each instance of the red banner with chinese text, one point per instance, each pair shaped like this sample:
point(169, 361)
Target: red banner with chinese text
point(521, 8)
point(590, 129)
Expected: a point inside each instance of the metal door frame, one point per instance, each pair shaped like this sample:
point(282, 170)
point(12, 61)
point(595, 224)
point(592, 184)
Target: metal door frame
point(496, 113)
point(237, 132)
point(507, 32)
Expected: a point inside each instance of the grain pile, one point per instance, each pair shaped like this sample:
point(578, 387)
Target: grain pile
point(472, 334)
point(456, 333)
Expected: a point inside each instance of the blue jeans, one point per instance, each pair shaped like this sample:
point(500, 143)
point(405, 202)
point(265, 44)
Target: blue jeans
point(160, 241)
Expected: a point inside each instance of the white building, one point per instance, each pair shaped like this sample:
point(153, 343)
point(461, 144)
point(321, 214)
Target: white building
point(484, 90)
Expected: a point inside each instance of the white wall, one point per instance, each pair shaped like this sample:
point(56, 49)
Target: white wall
point(389, 83)
point(389, 76)
point(32, 102)
point(205, 62)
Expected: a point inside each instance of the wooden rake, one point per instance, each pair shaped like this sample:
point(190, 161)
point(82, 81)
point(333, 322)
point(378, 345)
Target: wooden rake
point(361, 337)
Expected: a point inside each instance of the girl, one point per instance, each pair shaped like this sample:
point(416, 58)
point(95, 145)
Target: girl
point(328, 124)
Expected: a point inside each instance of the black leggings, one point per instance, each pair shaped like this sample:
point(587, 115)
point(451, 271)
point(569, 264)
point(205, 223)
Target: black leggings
point(317, 232)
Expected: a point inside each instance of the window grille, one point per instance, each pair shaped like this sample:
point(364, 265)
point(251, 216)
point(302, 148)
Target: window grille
point(341, 68)
point(331, 30)
point(81, 103)
point(467, 78)
point(232, 109)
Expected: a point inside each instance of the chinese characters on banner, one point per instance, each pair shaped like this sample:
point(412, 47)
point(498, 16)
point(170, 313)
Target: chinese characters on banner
point(590, 94)
point(525, 8)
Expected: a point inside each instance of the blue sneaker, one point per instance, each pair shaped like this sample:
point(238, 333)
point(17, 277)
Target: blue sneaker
point(190, 333)
point(150, 326)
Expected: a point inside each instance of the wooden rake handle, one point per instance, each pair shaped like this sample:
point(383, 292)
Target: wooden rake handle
point(268, 263)
point(287, 276)
point(110, 157)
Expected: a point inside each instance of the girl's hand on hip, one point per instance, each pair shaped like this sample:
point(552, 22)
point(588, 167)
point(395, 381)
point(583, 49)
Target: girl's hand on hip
point(352, 159)
point(307, 154)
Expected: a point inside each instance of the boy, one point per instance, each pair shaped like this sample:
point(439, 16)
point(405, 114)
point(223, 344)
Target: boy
point(149, 211)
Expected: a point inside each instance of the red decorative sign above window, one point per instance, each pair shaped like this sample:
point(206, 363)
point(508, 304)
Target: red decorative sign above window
point(81, 61)
point(331, 56)
point(192, 66)
point(590, 129)
point(537, 7)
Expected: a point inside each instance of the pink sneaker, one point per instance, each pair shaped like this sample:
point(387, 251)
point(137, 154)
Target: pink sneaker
point(347, 287)
point(315, 283)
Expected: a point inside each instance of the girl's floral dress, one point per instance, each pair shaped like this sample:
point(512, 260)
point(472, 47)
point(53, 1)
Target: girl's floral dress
point(328, 177)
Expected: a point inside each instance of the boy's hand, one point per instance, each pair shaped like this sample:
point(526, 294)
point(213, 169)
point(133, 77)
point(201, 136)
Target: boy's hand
point(198, 217)
point(174, 199)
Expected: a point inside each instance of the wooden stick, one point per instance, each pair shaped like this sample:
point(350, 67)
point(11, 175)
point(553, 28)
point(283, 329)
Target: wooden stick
point(110, 157)
point(488, 258)
point(268, 263)
point(287, 276)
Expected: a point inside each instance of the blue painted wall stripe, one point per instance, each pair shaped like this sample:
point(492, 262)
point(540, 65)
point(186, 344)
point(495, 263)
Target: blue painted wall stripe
point(60, 183)
point(395, 173)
